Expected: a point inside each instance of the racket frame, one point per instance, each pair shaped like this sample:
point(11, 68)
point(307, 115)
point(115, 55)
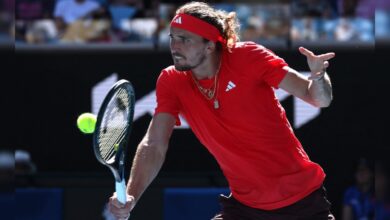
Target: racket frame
point(117, 166)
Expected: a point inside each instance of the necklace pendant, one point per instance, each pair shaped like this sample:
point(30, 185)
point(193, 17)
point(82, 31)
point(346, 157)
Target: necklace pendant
point(210, 94)
point(216, 104)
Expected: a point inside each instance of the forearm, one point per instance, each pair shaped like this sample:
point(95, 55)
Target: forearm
point(146, 165)
point(320, 91)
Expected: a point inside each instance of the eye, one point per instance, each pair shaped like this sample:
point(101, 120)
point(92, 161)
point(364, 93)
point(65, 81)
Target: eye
point(187, 40)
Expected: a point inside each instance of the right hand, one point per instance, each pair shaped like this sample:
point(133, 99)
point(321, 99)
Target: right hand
point(119, 210)
point(317, 63)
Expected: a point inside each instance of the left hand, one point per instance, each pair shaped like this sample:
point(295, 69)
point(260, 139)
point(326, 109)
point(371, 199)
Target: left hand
point(119, 210)
point(317, 63)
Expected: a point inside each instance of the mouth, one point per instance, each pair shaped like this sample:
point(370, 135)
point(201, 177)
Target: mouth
point(177, 57)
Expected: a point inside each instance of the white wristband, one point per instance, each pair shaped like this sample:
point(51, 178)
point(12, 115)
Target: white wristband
point(318, 77)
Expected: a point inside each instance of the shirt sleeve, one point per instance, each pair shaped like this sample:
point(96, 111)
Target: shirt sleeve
point(167, 100)
point(266, 66)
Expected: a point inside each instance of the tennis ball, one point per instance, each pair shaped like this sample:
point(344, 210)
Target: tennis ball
point(86, 123)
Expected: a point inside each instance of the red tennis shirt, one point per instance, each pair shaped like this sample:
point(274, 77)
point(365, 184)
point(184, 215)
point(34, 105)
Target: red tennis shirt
point(249, 135)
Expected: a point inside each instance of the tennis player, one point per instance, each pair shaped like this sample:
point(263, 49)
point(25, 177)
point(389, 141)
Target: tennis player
point(224, 89)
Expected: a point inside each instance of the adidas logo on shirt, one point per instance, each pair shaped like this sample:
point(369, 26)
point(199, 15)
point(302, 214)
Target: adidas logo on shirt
point(230, 86)
point(177, 20)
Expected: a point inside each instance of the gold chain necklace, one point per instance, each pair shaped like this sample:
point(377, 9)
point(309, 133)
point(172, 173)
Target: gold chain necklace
point(211, 92)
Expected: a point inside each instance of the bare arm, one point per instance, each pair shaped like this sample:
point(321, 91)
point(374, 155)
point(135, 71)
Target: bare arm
point(147, 162)
point(150, 154)
point(316, 89)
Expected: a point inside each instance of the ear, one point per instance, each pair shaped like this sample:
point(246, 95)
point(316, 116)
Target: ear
point(210, 47)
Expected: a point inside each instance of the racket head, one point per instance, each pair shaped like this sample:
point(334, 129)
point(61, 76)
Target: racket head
point(113, 126)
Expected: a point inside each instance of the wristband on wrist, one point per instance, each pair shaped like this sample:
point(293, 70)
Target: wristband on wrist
point(318, 77)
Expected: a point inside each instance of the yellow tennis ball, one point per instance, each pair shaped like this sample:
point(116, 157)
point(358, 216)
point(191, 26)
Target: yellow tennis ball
point(86, 123)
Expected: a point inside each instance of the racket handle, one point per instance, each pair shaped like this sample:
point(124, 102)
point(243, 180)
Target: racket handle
point(120, 188)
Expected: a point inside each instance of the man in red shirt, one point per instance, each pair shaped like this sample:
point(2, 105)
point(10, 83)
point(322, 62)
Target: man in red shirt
point(224, 89)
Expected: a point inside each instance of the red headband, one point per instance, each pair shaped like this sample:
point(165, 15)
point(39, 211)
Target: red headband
point(197, 26)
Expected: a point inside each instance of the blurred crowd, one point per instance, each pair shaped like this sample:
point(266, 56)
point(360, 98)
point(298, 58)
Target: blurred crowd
point(368, 197)
point(83, 21)
point(126, 21)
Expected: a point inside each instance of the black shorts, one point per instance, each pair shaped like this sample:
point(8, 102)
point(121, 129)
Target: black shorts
point(313, 207)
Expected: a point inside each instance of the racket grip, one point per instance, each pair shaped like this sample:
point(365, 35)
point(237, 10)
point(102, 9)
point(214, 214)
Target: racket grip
point(120, 188)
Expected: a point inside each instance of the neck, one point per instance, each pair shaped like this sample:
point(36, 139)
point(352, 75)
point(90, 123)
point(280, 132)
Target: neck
point(209, 69)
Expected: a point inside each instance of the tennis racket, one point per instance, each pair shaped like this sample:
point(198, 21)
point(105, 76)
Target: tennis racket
point(113, 126)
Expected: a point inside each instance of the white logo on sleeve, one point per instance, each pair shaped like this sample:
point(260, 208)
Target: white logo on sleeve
point(177, 20)
point(230, 86)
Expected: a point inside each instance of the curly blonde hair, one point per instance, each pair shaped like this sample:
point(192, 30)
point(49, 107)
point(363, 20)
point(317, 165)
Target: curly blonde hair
point(226, 22)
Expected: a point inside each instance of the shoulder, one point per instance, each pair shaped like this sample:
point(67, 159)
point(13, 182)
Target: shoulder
point(171, 72)
point(249, 48)
point(171, 75)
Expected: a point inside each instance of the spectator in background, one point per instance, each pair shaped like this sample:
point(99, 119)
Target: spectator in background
point(312, 8)
point(81, 21)
point(345, 31)
point(34, 21)
point(24, 168)
point(276, 22)
point(134, 20)
point(365, 9)
point(9, 5)
point(312, 18)
point(30, 10)
point(304, 30)
point(166, 13)
point(382, 193)
point(347, 7)
point(67, 12)
point(358, 201)
point(382, 19)
point(383, 5)
point(6, 18)
point(357, 8)
point(254, 29)
point(144, 8)
point(23, 163)
point(7, 166)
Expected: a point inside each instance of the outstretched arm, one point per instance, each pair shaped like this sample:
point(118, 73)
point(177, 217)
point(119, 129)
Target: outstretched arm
point(317, 88)
point(147, 162)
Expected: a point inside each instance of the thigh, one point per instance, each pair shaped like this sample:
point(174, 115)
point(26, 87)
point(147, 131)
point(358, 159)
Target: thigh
point(234, 210)
point(315, 206)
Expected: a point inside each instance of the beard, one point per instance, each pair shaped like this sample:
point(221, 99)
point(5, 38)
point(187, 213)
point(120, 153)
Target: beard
point(183, 67)
point(187, 67)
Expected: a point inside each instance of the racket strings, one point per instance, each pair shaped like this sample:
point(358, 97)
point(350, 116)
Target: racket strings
point(112, 131)
point(112, 137)
point(109, 151)
point(115, 122)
